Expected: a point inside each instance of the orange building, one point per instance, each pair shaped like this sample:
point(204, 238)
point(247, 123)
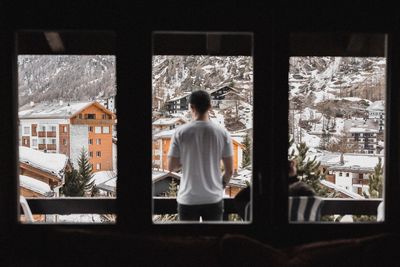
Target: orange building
point(68, 128)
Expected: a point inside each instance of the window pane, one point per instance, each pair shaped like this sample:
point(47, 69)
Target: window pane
point(228, 81)
point(63, 98)
point(337, 138)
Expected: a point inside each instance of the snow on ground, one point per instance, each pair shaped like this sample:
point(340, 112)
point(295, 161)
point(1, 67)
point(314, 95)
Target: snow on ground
point(80, 218)
point(219, 118)
point(322, 96)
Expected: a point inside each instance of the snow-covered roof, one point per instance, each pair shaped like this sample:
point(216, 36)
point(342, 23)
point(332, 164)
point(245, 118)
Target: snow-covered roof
point(242, 179)
point(377, 106)
point(167, 133)
point(179, 97)
point(53, 163)
point(110, 185)
point(362, 130)
point(219, 88)
point(167, 121)
point(341, 189)
point(102, 176)
point(159, 175)
point(62, 110)
point(35, 185)
point(352, 162)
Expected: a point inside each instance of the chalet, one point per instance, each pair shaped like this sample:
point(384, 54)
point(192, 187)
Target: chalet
point(161, 181)
point(48, 168)
point(167, 124)
point(179, 103)
point(224, 95)
point(162, 141)
point(364, 139)
point(349, 171)
point(67, 128)
point(105, 182)
point(157, 102)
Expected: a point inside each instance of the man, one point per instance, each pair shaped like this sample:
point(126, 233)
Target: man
point(198, 147)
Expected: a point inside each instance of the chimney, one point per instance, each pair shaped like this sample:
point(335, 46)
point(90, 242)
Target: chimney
point(341, 159)
point(32, 103)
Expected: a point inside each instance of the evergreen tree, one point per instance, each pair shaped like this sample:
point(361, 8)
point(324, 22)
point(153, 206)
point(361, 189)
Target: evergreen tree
point(85, 171)
point(72, 186)
point(376, 181)
point(77, 182)
point(308, 170)
point(172, 188)
point(246, 161)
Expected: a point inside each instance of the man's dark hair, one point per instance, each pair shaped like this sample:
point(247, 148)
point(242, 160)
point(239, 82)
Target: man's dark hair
point(201, 100)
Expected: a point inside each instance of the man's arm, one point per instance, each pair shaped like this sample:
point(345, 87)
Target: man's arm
point(174, 164)
point(228, 167)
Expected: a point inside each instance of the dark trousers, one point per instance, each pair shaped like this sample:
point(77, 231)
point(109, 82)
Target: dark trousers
point(208, 212)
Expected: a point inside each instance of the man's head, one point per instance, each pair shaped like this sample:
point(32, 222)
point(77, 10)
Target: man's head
point(200, 101)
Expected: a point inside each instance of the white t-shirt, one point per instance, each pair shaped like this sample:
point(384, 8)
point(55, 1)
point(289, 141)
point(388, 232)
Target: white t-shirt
point(200, 146)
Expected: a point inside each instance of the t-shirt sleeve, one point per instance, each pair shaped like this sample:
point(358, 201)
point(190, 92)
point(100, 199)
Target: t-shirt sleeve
point(227, 150)
point(174, 150)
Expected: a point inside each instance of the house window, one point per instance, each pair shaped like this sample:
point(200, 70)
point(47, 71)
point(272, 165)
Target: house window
point(90, 116)
point(103, 116)
point(98, 141)
point(53, 141)
point(106, 129)
point(64, 142)
point(91, 154)
point(90, 128)
point(98, 154)
point(65, 129)
point(27, 130)
point(98, 166)
point(324, 124)
point(80, 116)
point(90, 141)
point(34, 142)
point(53, 128)
point(97, 129)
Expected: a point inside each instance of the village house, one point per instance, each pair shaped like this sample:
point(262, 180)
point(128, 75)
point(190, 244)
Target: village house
point(349, 171)
point(364, 139)
point(162, 180)
point(69, 127)
point(105, 183)
point(376, 112)
point(179, 103)
point(48, 168)
point(167, 124)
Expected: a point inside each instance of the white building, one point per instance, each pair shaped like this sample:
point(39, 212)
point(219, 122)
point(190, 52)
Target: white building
point(366, 139)
point(376, 112)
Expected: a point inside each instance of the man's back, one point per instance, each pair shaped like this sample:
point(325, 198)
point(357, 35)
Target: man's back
point(200, 145)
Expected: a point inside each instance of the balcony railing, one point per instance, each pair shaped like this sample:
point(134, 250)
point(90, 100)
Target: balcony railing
point(101, 205)
point(94, 121)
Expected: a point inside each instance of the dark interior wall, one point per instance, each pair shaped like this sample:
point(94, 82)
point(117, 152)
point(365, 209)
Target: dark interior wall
point(133, 25)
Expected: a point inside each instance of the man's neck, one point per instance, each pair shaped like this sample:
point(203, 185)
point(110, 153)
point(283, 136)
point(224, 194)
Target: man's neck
point(202, 117)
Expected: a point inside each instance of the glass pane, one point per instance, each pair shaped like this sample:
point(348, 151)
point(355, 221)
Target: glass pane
point(337, 138)
point(60, 98)
point(223, 131)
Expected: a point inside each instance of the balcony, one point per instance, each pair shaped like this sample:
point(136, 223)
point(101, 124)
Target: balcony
point(93, 122)
point(51, 134)
point(162, 205)
point(51, 147)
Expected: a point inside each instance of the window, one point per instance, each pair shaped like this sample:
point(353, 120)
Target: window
point(104, 116)
point(98, 141)
point(324, 94)
point(90, 141)
point(44, 60)
point(106, 129)
point(27, 130)
point(231, 110)
point(97, 129)
point(90, 116)
point(98, 154)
